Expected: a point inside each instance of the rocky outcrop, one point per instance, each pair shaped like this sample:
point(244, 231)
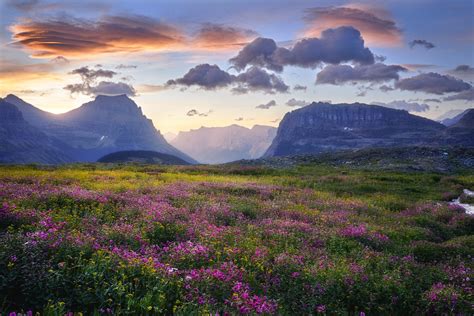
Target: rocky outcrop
point(21, 142)
point(105, 125)
point(322, 127)
point(225, 144)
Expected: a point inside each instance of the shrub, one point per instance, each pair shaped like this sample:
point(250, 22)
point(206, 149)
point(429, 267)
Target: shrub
point(165, 232)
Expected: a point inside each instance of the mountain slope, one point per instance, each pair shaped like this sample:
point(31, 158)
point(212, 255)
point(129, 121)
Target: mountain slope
point(451, 120)
point(105, 125)
point(462, 132)
point(21, 142)
point(225, 144)
point(142, 156)
point(321, 127)
point(31, 114)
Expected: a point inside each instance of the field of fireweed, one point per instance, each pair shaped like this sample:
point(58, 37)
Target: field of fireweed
point(230, 240)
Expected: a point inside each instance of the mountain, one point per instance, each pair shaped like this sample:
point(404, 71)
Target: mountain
point(105, 125)
point(142, 156)
point(169, 136)
point(466, 120)
point(321, 127)
point(452, 117)
point(462, 132)
point(225, 144)
point(31, 114)
point(20, 142)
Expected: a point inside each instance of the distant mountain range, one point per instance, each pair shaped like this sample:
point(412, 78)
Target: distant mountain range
point(112, 124)
point(225, 144)
point(106, 125)
point(322, 127)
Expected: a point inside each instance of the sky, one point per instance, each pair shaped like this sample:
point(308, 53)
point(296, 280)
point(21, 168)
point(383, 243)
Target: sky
point(215, 63)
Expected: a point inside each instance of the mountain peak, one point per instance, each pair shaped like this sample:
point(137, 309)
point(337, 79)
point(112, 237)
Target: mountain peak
point(117, 104)
point(321, 127)
point(12, 96)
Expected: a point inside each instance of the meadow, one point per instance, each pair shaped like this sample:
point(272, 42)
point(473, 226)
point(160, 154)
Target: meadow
point(229, 240)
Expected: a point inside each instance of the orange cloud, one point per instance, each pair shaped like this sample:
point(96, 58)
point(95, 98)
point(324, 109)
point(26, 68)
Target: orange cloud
point(375, 24)
point(76, 37)
point(220, 37)
point(14, 77)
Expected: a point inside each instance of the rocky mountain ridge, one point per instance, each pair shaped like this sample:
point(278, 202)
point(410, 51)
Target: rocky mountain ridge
point(22, 142)
point(105, 125)
point(322, 127)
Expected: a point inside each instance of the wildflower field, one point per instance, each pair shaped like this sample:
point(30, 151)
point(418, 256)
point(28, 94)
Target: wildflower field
point(226, 240)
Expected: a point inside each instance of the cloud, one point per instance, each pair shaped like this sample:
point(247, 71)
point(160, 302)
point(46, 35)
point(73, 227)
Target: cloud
point(380, 58)
point(216, 37)
point(60, 60)
point(375, 24)
point(340, 74)
point(467, 95)
point(192, 112)
point(195, 112)
point(206, 76)
point(102, 88)
point(89, 85)
point(432, 82)
point(239, 119)
point(275, 120)
point(256, 79)
point(415, 67)
point(211, 77)
point(296, 103)
point(90, 75)
point(257, 53)
point(23, 5)
point(145, 88)
point(404, 105)
point(299, 87)
point(432, 100)
point(363, 90)
point(28, 91)
point(266, 106)
point(73, 37)
point(112, 88)
point(122, 66)
point(386, 88)
point(338, 45)
point(15, 76)
point(463, 71)
point(420, 42)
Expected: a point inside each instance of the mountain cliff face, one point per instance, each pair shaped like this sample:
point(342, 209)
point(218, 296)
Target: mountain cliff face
point(225, 144)
point(21, 142)
point(105, 125)
point(321, 127)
